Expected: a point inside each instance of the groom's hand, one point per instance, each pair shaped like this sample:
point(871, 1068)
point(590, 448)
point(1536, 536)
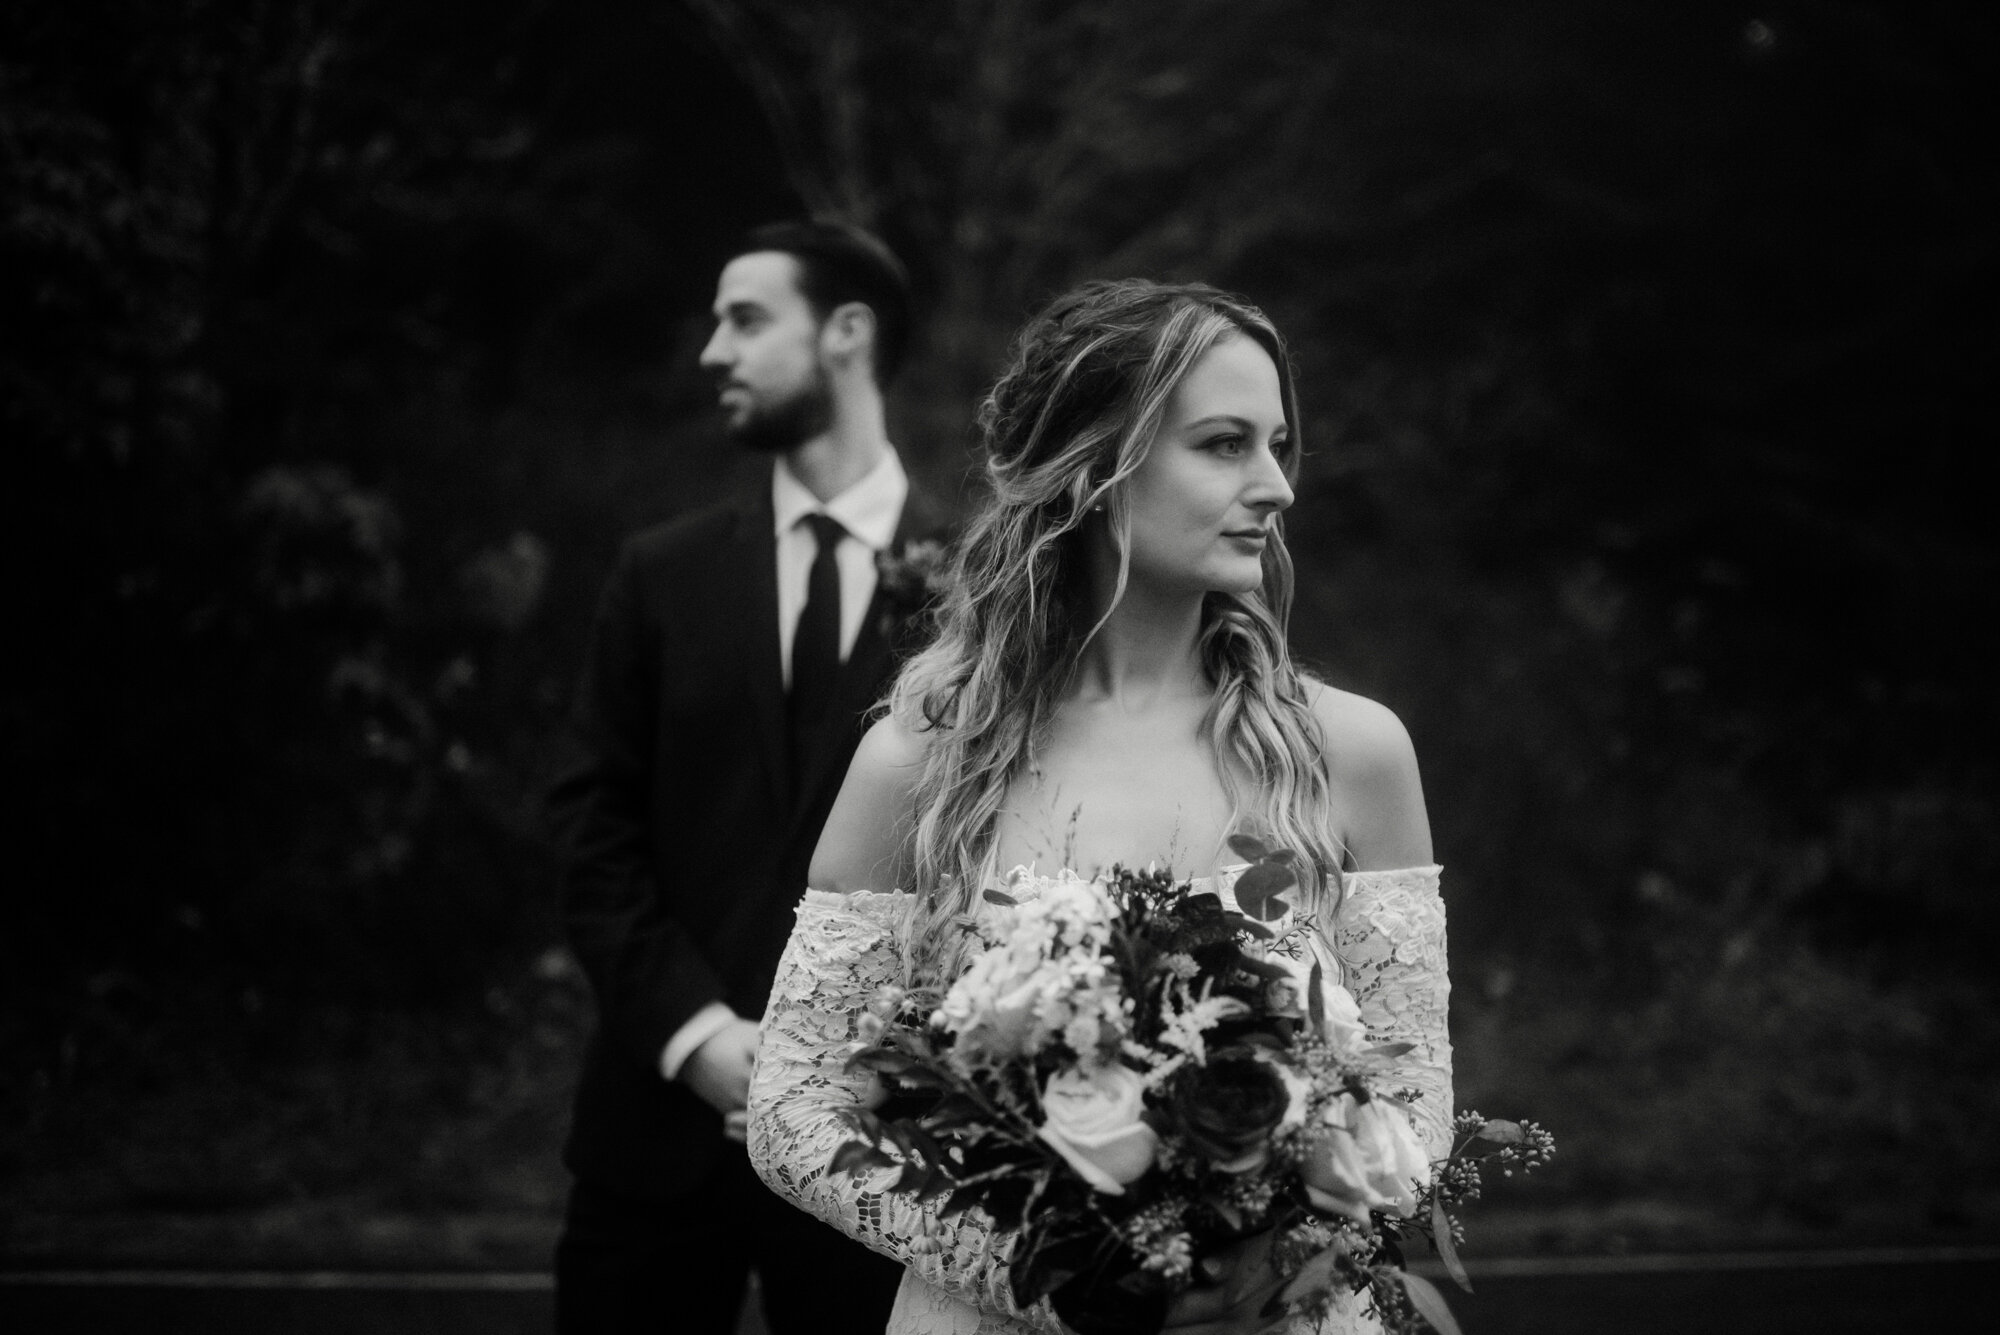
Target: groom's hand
point(719, 1070)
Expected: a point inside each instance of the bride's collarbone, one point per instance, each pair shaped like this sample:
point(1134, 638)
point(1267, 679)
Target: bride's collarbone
point(1087, 809)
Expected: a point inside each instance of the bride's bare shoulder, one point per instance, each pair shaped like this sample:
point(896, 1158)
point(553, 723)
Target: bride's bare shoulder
point(892, 746)
point(1361, 729)
point(1372, 767)
point(868, 829)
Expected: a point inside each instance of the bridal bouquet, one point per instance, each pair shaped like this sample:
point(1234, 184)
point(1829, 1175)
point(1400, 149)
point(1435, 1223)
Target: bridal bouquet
point(1133, 1077)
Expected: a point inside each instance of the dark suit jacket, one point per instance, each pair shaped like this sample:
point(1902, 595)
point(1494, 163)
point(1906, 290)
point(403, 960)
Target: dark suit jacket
point(687, 839)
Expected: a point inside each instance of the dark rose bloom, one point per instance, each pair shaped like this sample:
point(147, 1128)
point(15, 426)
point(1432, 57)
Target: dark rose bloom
point(1227, 1110)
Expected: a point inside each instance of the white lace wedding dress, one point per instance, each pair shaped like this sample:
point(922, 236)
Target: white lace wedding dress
point(1387, 943)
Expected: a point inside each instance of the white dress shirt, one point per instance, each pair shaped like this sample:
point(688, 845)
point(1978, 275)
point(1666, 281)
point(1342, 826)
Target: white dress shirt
point(868, 510)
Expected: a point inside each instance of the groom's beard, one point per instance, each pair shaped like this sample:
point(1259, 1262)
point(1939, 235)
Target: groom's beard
point(774, 428)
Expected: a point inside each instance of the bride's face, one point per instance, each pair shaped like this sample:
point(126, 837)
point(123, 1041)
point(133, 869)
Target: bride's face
point(1203, 501)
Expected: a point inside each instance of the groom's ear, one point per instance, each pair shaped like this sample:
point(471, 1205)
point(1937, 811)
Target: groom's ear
point(849, 332)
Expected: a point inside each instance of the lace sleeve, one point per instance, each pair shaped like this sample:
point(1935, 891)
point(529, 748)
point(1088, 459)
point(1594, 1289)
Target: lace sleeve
point(1389, 937)
point(841, 949)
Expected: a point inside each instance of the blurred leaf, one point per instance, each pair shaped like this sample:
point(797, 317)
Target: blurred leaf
point(1500, 1134)
point(1249, 847)
point(1257, 889)
point(937, 1182)
point(885, 1061)
point(1430, 1303)
point(1315, 1276)
point(855, 1155)
point(1447, 1250)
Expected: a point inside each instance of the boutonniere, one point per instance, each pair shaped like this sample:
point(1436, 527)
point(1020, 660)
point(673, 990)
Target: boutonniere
point(910, 575)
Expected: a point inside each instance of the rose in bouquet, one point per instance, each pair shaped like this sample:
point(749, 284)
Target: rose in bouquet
point(1133, 1076)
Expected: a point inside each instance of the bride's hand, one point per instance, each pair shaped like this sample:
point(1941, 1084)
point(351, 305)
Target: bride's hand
point(1241, 1282)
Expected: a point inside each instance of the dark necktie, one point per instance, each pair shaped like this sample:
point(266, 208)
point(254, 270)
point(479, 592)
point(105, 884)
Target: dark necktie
point(816, 642)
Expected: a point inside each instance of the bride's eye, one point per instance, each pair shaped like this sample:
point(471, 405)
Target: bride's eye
point(1227, 446)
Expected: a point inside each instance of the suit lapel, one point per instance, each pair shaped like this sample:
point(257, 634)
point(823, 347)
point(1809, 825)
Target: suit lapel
point(869, 663)
point(753, 559)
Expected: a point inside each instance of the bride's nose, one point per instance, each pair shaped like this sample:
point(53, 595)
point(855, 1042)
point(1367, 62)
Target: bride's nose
point(1270, 489)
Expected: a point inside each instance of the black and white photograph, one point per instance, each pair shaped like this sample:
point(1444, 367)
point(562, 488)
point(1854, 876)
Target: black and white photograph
point(1000, 667)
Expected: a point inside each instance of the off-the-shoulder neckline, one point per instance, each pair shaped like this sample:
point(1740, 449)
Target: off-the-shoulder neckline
point(1225, 869)
point(1431, 867)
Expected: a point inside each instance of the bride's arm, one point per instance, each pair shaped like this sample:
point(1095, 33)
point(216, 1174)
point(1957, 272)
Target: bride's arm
point(844, 946)
point(1389, 931)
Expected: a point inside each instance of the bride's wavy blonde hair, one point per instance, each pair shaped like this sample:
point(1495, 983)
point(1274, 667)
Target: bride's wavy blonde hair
point(1070, 420)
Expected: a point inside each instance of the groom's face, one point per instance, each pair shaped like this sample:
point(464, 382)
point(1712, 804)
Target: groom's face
point(765, 354)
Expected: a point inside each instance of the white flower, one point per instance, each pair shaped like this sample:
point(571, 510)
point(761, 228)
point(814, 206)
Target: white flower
point(1188, 1018)
point(1298, 1088)
point(1343, 1018)
point(1366, 1157)
point(1291, 994)
point(1083, 1034)
point(1093, 1122)
point(1045, 976)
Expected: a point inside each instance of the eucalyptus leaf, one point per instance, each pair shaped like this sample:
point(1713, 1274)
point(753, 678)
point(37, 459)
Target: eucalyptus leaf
point(1047, 1279)
point(862, 1120)
point(937, 1182)
point(898, 1133)
point(1313, 1277)
point(1430, 1303)
point(1249, 847)
point(1315, 999)
point(924, 1144)
point(1389, 1051)
point(855, 1155)
point(881, 1060)
point(1005, 901)
point(1267, 969)
point(953, 1113)
point(1033, 1273)
point(1447, 1249)
point(963, 1198)
point(1502, 1133)
point(918, 1076)
point(1262, 881)
point(1263, 907)
point(1006, 1211)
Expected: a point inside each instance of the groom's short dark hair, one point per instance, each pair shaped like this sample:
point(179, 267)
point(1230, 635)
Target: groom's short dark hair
point(839, 263)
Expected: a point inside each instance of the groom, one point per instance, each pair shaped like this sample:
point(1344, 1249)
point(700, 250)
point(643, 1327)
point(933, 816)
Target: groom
point(733, 656)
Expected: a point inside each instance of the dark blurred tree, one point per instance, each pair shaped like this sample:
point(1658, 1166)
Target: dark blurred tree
point(342, 341)
point(1010, 149)
point(1634, 344)
point(299, 302)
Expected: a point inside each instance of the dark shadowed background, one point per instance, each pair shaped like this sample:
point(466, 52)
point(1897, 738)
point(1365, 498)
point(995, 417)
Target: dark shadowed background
point(1645, 347)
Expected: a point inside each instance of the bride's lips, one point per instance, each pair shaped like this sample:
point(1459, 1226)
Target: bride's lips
point(1256, 535)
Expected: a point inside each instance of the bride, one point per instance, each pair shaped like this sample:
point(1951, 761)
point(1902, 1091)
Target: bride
point(1109, 683)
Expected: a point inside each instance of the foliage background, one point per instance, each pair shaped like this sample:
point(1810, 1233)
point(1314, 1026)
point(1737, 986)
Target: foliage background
point(1643, 347)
